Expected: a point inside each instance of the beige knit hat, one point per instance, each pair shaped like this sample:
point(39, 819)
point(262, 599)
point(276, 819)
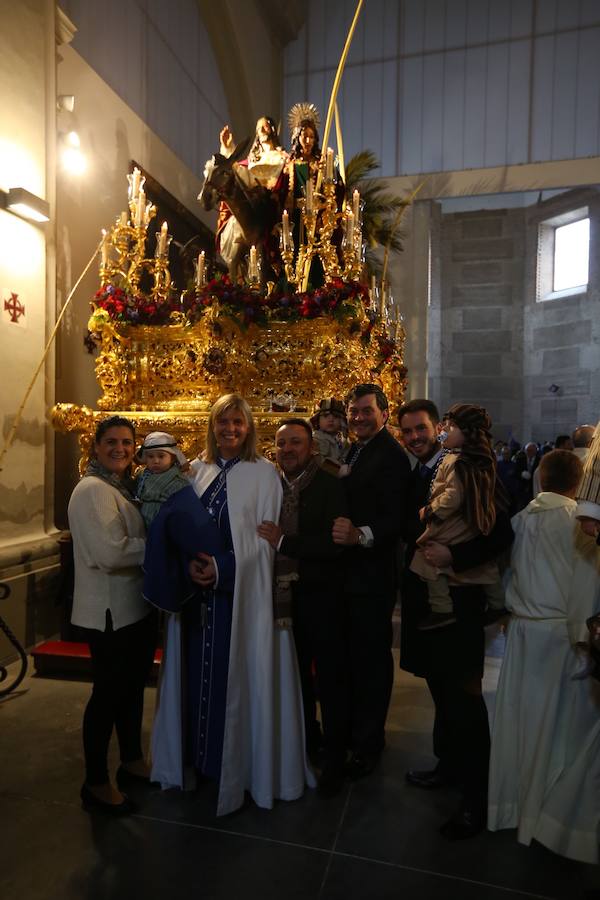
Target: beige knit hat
point(160, 440)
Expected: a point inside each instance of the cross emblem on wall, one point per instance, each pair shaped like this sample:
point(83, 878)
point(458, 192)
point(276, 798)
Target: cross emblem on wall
point(14, 307)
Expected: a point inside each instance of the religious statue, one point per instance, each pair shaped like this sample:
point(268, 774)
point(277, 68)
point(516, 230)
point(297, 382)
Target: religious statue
point(251, 190)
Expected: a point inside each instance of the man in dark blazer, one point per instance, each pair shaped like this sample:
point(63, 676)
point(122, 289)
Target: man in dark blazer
point(312, 500)
point(526, 463)
point(450, 659)
point(375, 477)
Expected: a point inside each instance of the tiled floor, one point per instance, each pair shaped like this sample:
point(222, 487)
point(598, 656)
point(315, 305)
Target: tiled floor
point(378, 839)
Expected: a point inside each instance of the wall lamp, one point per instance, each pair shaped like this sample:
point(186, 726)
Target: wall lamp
point(21, 202)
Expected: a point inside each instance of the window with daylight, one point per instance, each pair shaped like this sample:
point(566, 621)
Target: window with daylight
point(563, 255)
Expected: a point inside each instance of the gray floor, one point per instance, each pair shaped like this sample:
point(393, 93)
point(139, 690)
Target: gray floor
point(378, 839)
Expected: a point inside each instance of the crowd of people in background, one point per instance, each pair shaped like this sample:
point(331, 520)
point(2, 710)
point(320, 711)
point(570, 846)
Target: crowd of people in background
point(518, 466)
point(278, 582)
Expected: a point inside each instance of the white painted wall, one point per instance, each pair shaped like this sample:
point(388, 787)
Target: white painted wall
point(157, 57)
point(23, 128)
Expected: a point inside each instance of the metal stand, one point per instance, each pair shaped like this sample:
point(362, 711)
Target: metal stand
point(4, 593)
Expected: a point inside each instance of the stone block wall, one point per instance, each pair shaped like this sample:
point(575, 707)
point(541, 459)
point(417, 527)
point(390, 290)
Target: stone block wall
point(534, 364)
point(561, 336)
point(476, 333)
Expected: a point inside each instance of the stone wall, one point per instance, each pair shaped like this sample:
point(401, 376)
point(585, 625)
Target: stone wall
point(534, 364)
point(476, 333)
point(562, 336)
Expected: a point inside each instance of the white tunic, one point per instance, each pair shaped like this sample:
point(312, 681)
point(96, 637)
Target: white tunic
point(545, 759)
point(263, 744)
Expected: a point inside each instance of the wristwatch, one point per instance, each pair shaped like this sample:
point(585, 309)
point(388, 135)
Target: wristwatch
point(362, 539)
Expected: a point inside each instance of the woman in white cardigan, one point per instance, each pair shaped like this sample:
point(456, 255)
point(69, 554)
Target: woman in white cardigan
point(108, 544)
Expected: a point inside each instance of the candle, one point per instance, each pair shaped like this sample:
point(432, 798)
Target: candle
point(253, 264)
point(123, 219)
point(356, 205)
point(141, 208)
point(286, 230)
point(373, 287)
point(104, 250)
point(309, 195)
point(329, 165)
point(200, 270)
point(350, 229)
point(162, 241)
point(135, 183)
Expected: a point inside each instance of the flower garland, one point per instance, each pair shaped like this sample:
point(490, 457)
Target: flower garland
point(343, 301)
point(339, 300)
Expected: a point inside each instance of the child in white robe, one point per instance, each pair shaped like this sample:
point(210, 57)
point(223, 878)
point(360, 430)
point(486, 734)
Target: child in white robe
point(545, 758)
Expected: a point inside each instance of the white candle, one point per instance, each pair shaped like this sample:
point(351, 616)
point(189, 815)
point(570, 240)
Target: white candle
point(104, 250)
point(253, 265)
point(286, 230)
point(309, 195)
point(350, 229)
point(356, 205)
point(135, 183)
point(329, 165)
point(200, 270)
point(141, 208)
point(162, 241)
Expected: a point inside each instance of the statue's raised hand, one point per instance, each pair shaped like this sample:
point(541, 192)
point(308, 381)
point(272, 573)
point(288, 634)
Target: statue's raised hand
point(226, 138)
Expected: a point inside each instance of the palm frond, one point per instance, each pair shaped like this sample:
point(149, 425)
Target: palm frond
point(359, 167)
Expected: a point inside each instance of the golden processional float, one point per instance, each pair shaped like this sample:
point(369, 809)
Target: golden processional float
point(165, 357)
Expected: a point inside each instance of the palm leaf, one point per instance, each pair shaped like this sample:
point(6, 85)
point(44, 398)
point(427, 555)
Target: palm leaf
point(380, 209)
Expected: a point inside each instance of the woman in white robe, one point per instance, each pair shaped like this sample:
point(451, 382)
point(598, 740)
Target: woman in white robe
point(545, 758)
point(262, 744)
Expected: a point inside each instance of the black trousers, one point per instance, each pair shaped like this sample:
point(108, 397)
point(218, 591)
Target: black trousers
point(121, 663)
point(369, 620)
point(461, 737)
point(320, 637)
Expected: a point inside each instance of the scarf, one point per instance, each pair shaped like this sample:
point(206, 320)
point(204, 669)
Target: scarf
point(286, 568)
point(125, 485)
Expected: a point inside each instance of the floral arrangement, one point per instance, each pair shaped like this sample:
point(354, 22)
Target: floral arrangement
point(116, 304)
point(343, 301)
point(339, 300)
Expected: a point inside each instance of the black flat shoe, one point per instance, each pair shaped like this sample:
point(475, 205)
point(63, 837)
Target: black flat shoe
point(430, 780)
point(359, 766)
point(125, 778)
point(465, 824)
point(91, 803)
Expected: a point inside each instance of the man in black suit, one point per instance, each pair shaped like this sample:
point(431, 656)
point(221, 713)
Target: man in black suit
point(312, 500)
point(450, 659)
point(526, 463)
point(375, 477)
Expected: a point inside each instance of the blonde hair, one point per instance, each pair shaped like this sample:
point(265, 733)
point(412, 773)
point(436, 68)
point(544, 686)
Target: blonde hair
point(248, 452)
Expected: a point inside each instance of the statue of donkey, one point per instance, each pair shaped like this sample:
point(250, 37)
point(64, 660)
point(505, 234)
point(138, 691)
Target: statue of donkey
point(250, 204)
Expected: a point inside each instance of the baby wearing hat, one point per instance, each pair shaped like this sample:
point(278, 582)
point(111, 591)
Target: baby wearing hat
point(162, 475)
point(330, 439)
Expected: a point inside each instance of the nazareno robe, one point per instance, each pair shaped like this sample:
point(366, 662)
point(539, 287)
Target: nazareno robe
point(263, 730)
point(545, 759)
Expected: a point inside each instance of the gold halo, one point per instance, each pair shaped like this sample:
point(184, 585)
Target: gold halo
point(302, 111)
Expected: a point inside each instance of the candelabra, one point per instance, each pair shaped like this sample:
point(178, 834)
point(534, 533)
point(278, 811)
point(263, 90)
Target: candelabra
point(123, 252)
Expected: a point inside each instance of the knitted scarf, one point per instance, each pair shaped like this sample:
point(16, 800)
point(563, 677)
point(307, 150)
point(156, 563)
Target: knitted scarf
point(124, 485)
point(153, 490)
point(286, 568)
